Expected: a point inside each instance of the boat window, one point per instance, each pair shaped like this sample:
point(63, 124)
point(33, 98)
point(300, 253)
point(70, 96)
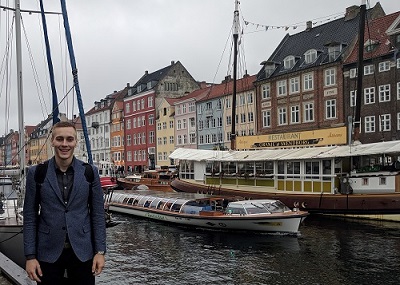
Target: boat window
point(147, 203)
point(293, 169)
point(130, 200)
point(252, 209)
point(155, 203)
point(135, 202)
point(326, 169)
point(312, 167)
point(125, 200)
point(235, 210)
point(276, 207)
point(176, 207)
point(142, 200)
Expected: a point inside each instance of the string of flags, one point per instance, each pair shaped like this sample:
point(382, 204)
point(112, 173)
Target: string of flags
point(287, 27)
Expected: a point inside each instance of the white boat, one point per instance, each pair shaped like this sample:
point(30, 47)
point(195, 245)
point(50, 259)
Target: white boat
point(209, 212)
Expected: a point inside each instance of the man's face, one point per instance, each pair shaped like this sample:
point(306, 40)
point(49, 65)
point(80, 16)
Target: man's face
point(64, 142)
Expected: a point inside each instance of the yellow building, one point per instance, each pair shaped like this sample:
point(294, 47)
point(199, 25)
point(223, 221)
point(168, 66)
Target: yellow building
point(165, 130)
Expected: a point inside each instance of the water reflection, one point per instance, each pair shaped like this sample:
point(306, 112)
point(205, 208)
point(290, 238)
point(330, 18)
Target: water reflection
point(328, 251)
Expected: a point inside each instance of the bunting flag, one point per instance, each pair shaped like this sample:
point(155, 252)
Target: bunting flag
point(293, 26)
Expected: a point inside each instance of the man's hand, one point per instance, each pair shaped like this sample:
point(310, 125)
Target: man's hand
point(98, 264)
point(33, 270)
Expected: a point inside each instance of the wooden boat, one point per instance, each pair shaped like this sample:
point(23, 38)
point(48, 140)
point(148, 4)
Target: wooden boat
point(202, 211)
point(159, 180)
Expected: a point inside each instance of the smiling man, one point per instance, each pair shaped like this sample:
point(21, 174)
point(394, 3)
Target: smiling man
point(64, 225)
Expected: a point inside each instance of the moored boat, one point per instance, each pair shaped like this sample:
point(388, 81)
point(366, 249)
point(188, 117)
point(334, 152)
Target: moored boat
point(159, 180)
point(209, 212)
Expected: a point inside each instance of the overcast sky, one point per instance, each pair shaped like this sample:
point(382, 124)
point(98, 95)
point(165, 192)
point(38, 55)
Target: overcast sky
point(116, 41)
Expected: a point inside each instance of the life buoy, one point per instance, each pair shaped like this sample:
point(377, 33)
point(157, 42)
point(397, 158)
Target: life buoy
point(304, 205)
point(296, 204)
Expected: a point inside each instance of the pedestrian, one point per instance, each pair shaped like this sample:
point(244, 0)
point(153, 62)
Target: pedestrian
point(64, 225)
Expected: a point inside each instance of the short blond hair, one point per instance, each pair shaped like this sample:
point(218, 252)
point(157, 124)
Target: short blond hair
point(63, 124)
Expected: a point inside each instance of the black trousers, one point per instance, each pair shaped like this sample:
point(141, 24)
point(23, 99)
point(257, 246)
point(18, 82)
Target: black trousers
point(78, 272)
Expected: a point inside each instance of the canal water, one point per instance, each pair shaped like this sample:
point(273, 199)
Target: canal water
point(328, 251)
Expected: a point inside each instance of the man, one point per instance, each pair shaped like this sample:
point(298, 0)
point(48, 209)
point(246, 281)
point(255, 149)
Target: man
point(68, 232)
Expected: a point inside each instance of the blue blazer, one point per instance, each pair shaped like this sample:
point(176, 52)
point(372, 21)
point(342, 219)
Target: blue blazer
point(45, 232)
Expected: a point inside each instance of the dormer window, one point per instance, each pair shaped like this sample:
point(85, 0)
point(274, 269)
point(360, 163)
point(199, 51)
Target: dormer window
point(289, 62)
point(334, 52)
point(310, 56)
point(370, 45)
point(149, 85)
point(139, 88)
point(269, 67)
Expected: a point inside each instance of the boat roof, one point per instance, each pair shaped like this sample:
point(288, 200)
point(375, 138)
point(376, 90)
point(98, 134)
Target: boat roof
point(390, 147)
point(252, 202)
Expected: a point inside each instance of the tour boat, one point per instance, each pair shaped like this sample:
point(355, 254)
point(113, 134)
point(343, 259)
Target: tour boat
point(159, 179)
point(209, 212)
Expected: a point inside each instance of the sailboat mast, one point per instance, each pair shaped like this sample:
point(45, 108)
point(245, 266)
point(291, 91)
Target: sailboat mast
point(360, 71)
point(235, 52)
point(21, 155)
point(76, 81)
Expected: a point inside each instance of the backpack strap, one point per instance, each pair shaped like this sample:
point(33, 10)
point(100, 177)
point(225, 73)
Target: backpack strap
point(40, 175)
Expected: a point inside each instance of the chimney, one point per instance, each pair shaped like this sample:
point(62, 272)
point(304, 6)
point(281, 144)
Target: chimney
point(146, 72)
point(308, 25)
point(227, 79)
point(172, 62)
point(128, 85)
point(351, 12)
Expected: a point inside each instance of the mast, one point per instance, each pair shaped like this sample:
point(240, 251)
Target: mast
point(21, 154)
point(76, 81)
point(55, 111)
point(360, 72)
point(235, 52)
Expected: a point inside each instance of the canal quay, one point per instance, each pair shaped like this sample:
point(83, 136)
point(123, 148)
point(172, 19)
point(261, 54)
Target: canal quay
point(327, 251)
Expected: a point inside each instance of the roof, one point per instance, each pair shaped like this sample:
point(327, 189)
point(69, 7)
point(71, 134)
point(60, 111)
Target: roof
point(375, 32)
point(115, 96)
point(340, 31)
point(226, 88)
point(390, 147)
point(195, 95)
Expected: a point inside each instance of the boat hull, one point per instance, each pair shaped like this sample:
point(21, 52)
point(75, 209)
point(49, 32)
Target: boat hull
point(268, 224)
point(323, 203)
point(152, 185)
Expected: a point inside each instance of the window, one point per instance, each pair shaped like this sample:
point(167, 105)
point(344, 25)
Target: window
point(384, 93)
point(308, 112)
point(171, 124)
point(353, 73)
point(192, 122)
point(281, 88)
point(201, 124)
point(179, 139)
point(228, 120)
point(266, 91)
point(228, 103)
point(151, 119)
point(384, 66)
point(369, 95)
point(282, 116)
point(151, 137)
point(295, 114)
point(242, 100)
point(179, 125)
point(330, 77)
point(192, 138)
point(294, 85)
point(368, 69)
point(128, 124)
point(310, 56)
point(127, 108)
point(219, 121)
point(398, 90)
point(184, 109)
point(250, 98)
point(243, 118)
point(184, 126)
point(398, 121)
point(158, 126)
point(199, 109)
point(150, 101)
point(266, 118)
point(308, 81)
point(330, 109)
point(191, 107)
point(219, 104)
point(384, 122)
point(289, 62)
point(251, 116)
point(369, 124)
point(353, 98)
point(334, 52)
